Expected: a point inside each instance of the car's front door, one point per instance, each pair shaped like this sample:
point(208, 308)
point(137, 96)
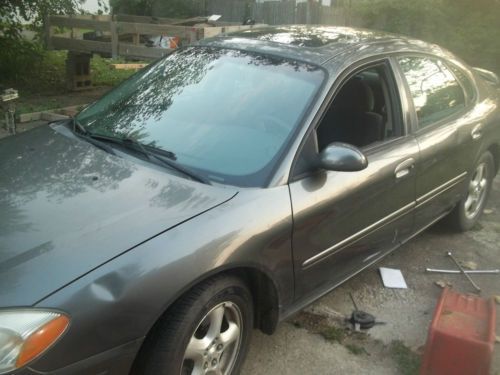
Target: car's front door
point(345, 221)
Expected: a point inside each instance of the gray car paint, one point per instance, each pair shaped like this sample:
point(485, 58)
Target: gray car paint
point(63, 197)
point(114, 301)
point(164, 267)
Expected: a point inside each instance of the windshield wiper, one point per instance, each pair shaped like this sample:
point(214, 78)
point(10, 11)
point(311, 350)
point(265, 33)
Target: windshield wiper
point(175, 165)
point(165, 158)
point(152, 154)
point(81, 132)
point(79, 128)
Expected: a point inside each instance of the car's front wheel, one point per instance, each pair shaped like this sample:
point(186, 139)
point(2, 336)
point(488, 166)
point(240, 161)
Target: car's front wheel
point(206, 332)
point(469, 209)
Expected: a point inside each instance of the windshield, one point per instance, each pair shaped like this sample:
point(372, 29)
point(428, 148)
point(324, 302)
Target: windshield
point(227, 114)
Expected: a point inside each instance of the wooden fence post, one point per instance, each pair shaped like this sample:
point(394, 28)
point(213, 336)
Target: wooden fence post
point(114, 38)
point(308, 12)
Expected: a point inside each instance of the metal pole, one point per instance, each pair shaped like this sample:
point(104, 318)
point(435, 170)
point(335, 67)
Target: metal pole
point(463, 271)
point(435, 270)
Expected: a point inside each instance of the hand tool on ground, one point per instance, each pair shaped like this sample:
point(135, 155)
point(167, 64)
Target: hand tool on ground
point(478, 289)
point(435, 270)
point(360, 319)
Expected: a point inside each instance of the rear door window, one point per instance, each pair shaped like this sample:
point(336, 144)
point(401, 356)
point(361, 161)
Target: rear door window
point(435, 91)
point(467, 84)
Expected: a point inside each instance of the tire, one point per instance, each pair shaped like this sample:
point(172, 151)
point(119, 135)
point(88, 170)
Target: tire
point(208, 329)
point(469, 209)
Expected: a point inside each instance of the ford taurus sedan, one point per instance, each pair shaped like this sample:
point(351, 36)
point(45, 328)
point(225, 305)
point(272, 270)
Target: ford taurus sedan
point(227, 186)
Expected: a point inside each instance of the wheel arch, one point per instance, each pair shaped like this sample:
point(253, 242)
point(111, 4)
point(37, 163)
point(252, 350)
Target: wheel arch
point(264, 294)
point(264, 291)
point(265, 297)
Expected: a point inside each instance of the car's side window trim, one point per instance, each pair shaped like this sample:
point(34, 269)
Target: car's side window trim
point(415, 123)
point(409, 113)
point(469, 100)
point(330, 97)
point(460, 83)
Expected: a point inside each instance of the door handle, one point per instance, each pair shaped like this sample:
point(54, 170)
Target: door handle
point(477, 133)
point(403, 169)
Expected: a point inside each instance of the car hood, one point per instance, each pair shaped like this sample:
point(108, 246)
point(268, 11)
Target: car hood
point(67, 207)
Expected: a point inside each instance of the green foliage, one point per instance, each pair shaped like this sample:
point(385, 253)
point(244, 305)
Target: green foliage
point(49, 103)
point(104, 75)
point(356, 349)
point(35, 70)
point(178, 9)
point(22, 59)
point(332, 333)
point(27, 65)
point(166, 8)
point(13, 14)
point(136, 7)
point(467, 28)
point(407, 361)
point(18, 56)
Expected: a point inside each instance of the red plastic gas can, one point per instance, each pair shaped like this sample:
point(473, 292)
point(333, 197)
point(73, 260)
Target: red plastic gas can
point(461, 337)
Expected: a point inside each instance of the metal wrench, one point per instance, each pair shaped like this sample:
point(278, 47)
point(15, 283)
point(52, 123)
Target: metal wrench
point(463, 271)
point(436, 270)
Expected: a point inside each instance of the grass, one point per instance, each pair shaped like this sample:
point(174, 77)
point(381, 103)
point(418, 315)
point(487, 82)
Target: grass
point(356, 349)
point(104, 75)
point(50, 74)
point(44, 87)
point(37, 107)
point(332, 333)
point(407, 361)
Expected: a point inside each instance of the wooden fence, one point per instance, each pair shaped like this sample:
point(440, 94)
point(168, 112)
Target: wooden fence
point(269, 12)
point(121, 35)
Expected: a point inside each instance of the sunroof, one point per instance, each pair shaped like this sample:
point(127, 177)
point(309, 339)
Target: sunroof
point(306, 36)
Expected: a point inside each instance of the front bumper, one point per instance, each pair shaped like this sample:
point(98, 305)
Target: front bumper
point(116, 361)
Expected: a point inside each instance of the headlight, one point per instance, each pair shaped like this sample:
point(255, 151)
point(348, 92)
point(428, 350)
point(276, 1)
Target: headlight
point(25, 334)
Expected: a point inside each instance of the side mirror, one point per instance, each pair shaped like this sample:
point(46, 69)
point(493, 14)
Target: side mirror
point(342, 157)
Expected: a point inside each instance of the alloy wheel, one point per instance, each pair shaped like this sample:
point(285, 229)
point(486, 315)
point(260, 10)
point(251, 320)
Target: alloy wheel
point(476, 191)
point(215, 343)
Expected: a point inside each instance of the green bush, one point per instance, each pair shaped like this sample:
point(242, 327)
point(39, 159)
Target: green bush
point(104, 75)
point(34, 70)
point(27, 64)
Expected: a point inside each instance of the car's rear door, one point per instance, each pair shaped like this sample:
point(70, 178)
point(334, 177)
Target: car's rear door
point(439, 106)
point(345, 221)
point(473, 127)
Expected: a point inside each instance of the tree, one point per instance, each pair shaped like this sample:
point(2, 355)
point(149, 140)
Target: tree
point(467, 28)
point(16, 13)
point(18, 54)
point(167, 8)
point(136, 7)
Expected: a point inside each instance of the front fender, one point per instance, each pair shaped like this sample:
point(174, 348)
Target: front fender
point(120, 301)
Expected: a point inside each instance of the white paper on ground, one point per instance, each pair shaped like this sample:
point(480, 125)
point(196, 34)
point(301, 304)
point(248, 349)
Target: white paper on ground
point(392, 278)
point(214, 17)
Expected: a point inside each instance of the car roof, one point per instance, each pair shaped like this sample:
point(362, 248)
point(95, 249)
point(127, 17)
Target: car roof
point(319, 44)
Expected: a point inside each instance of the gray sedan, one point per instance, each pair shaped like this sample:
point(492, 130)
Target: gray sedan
point(227, 186)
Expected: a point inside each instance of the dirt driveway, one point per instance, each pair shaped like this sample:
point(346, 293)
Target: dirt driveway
point(314, 342)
